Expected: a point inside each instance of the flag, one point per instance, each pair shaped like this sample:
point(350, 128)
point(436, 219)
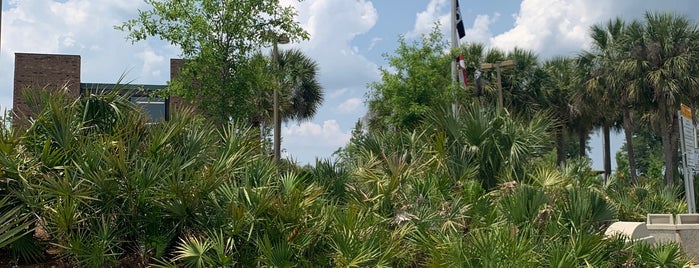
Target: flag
point(459, 22)
point(461, 65)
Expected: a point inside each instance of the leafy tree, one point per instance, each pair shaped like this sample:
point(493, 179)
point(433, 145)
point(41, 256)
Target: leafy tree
point(216, 39)
point(417, 80)
point(649, 148)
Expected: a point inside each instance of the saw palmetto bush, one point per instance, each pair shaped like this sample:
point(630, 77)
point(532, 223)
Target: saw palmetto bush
point(497, 146)
point(90, 182)
point(105, 185)
point(649, 195)
point(15, 219)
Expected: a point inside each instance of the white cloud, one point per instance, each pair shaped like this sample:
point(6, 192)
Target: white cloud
point(303, 141)
point(425, 20)
point(74, 12)
point(558, 29)
point(480, 32)
point(332, 26)
point(548, 27)
point(151, 63)
point(373, 43)
point(351, 105)
point(437, 11)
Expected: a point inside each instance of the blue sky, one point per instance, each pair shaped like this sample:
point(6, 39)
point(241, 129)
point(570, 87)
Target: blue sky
point(348, 38)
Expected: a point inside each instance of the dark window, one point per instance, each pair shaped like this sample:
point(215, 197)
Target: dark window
point(153, 107)
point(140, 95)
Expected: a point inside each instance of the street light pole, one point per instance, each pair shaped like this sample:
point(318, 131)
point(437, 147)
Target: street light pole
point(498, 66)
point(281, 39)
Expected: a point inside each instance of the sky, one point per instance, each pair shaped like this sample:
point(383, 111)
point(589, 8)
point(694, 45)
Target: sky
point(349, 39)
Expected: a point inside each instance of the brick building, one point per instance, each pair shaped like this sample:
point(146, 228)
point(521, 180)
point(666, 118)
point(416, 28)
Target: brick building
point(62, 72)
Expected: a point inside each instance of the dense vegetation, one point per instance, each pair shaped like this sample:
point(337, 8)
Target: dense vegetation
point(421, 184)
point(634, 78)
point(100, 187)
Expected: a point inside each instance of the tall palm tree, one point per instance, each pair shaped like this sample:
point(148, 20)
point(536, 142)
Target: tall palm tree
point(300, 93)
point(602, 80)
point(607, 44)
point(522, 83)
point(584, 106)
point(662, 55)
point(556, 91)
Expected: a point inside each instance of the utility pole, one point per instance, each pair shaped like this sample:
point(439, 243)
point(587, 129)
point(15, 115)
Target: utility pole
point(498, 66)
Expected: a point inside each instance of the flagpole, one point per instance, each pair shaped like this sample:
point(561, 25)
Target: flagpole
point(454, 44)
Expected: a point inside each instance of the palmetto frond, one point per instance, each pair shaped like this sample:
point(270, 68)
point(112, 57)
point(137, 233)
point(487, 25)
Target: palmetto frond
point(13, 224)
point(193, 251)
point(300, 92)
point(300, 74)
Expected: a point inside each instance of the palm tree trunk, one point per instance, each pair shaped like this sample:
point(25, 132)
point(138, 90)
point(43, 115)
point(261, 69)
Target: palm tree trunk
point(277, 127)
point(666, 137)
point(674, 143)
point(582, 143)
point(607, 151)
point(667, 154)
point(628, 132)
point(560, 144)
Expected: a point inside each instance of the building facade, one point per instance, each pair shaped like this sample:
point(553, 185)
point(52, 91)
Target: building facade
point(54, 72)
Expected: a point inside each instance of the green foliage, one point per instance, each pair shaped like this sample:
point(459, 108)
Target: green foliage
point(523, 206)
point(660, 255)
point(498, 144)
point(418, 79)
point(95, 246)
point(193, 252)
point(649, 157)
point(442, 188)
point(557, 89)
point(13, 225)
point(649, 195)
point(661, 65)
point(181, 194)
point(217, 39)
point(295, 78)
point(584, 208)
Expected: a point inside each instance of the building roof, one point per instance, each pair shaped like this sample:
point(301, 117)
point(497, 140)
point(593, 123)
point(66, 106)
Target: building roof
point(107, 86)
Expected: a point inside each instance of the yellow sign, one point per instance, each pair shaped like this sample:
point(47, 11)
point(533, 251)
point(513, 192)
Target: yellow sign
point(686, 111)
